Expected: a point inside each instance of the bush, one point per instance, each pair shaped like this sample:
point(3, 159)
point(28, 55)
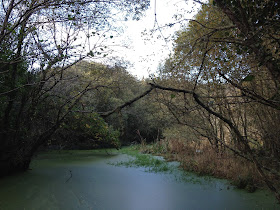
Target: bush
point(245, 182)
point(88, 131)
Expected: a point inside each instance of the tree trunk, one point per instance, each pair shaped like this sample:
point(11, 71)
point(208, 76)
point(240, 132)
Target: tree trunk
point(13, 163)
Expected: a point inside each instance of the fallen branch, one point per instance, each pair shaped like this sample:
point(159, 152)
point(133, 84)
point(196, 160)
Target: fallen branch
point(69, 177)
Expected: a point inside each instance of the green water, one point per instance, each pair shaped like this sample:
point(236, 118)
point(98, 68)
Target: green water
point(89, 180)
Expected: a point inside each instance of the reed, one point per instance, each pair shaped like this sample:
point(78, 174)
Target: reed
point(203, 159)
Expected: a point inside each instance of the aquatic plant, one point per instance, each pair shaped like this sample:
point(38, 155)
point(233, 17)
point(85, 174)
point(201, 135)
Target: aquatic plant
point(149, 162)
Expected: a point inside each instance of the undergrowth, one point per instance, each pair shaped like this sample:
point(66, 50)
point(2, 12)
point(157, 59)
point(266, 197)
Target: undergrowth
point(150, 163)
point(204, 160)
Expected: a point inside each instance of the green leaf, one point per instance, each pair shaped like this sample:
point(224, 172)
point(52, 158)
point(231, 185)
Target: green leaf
point(249, 78)
point(224, 49)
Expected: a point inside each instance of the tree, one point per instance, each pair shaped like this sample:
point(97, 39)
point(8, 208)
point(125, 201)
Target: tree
point(258, 26)
point(226, 66)
point(40, 40)
point(82, 128)
point(115, 88)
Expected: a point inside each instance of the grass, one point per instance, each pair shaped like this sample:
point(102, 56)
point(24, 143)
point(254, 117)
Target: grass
point(149, 162)
point(156, 164)
point(207, 162)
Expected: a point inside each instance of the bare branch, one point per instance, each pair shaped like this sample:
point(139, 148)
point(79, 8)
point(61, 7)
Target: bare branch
point(128, 103)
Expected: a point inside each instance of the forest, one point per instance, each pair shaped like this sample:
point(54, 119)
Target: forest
point(213, 104)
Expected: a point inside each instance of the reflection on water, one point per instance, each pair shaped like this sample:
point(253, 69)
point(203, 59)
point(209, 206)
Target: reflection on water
point(84, 180)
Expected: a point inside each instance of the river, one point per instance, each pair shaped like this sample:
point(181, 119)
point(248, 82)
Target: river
point(68, 180)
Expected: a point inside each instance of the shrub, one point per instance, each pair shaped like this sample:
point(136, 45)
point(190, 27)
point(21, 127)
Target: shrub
point(82, 131)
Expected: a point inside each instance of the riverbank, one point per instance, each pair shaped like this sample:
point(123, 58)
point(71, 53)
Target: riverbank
point(204, 160)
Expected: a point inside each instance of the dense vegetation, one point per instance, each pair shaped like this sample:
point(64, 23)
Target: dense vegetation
point(39, 42)
point(217, 92)
point(83, 128)
point(222, 82)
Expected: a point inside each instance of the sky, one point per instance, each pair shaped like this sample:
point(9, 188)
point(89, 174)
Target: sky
point(147, 45)
point(144, 44)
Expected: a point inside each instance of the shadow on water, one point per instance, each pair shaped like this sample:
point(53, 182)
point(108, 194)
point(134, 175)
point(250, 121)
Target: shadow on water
point(84, 180)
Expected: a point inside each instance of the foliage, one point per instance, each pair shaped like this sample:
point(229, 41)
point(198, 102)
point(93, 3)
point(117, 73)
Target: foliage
point(223, 81)
point(80, 131)
point(113, 86)
point(143, 121)
point(202, 159)
point(107, 87)
point(150, 163)
point(39, 42)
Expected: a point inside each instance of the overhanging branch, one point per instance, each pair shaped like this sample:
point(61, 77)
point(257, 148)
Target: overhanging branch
point(128, 103)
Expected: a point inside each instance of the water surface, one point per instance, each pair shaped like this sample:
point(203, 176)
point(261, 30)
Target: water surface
point(84, 180)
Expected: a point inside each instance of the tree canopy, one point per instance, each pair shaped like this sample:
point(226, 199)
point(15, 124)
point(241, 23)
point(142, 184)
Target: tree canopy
point(224, 79)
point(39, 41)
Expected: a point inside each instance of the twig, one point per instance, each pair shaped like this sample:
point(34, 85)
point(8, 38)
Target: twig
point(106, 114)
point(69, 177)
